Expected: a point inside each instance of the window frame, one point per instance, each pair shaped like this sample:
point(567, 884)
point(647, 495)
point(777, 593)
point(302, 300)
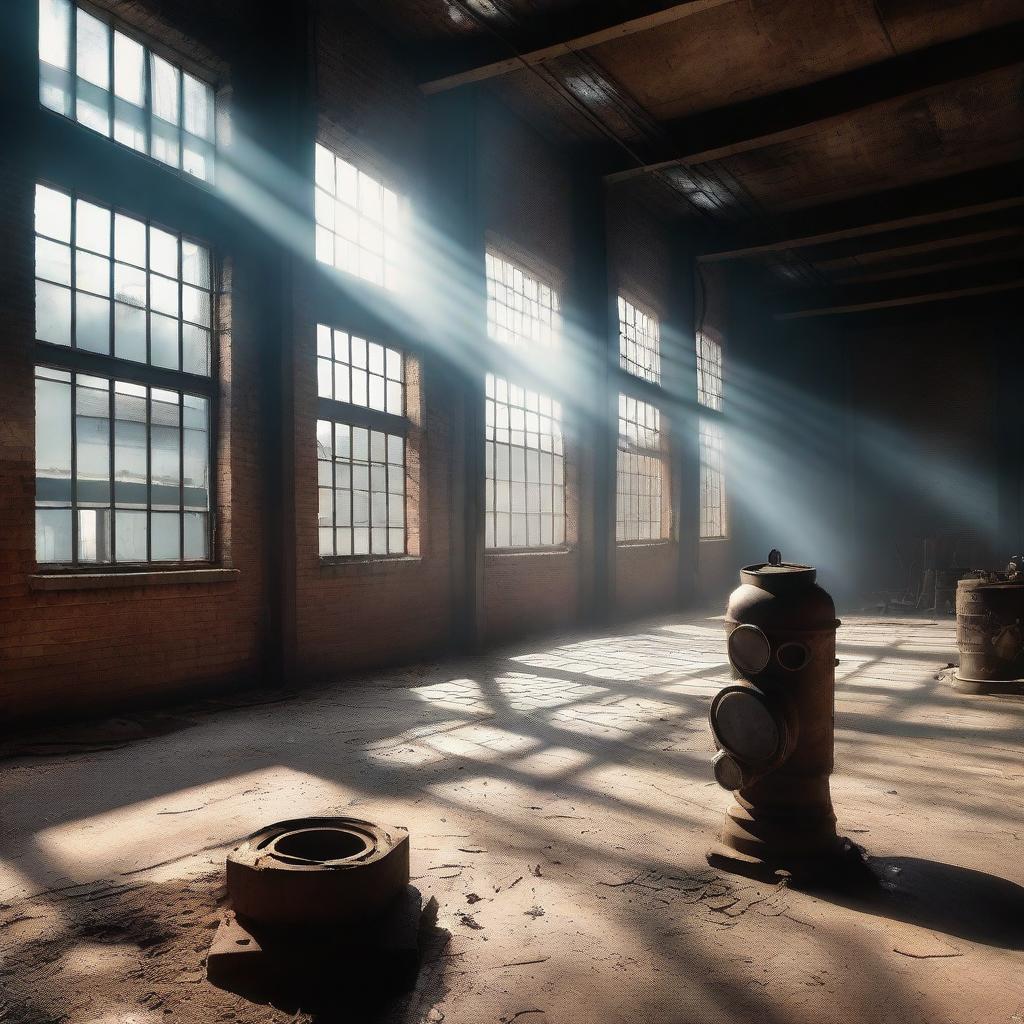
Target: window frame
point(491, 382)
point(400, 235)
point(152, 47)
point(527, 267)
point(351, 414)
point(527, 349)
point(703, 467)
point(710, 392)
point(70, 359)
point(660, 454)
point(710, 397)
point(624, 298)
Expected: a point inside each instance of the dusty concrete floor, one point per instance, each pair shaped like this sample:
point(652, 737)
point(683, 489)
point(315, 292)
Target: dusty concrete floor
point(560, 802)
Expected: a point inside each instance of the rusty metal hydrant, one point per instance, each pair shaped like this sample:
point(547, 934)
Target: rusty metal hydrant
point(773, 726)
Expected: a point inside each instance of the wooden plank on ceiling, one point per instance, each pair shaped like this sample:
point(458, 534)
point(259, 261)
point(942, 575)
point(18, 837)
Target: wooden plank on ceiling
point(549, 50)
point(862, 230)
point(782, 117)
point(904, 300)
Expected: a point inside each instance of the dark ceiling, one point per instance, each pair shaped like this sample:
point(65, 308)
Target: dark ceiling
point(770, 121)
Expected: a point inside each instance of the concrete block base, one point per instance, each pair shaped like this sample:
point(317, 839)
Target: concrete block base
point(303, 967)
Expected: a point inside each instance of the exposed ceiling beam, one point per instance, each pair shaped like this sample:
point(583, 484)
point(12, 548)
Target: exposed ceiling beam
point(848, 222)
point(781, 117)
point(905, 300)
point(543, 48)
point(862, 230)
point(918, 248)
point(922, 269)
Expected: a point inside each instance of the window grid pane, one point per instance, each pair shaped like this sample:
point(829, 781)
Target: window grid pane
point(709, 372)
point(713, 512)
point(640, 472)
point(360, 224)
point(639, 342)
point(117, 87)
point(111, 284)
point(122, 472)
point(361, 474)
point(360, 372)
point(521, 311)
point(525, 468)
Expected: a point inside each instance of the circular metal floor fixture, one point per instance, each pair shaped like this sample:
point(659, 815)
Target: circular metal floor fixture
point(328, 844)
point(318, 871)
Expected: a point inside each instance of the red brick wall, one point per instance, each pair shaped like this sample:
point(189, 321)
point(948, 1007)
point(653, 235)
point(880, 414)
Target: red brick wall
point(368, 99)
point(525, 188)
point(646, 577)
point(716, 570)
point(82, 650)
point(361, 613)
point(352, 615)
point(525, 193)
point(67, 652)
point(640, 258)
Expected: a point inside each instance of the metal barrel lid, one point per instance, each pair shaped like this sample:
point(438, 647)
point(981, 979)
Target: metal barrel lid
point(986, 585)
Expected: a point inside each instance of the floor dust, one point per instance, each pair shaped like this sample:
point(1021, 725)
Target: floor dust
point(560, 802)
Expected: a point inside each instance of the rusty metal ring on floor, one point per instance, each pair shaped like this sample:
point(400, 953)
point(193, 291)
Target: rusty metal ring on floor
point(317, 871)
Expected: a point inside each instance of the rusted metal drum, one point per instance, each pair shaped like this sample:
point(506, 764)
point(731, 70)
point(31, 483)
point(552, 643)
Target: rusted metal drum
point(774, 727)
point(989, 633)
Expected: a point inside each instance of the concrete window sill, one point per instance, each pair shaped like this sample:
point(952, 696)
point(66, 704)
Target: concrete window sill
point(357, 566)
point(117, 580)
point(630, 544)
point(527, 552)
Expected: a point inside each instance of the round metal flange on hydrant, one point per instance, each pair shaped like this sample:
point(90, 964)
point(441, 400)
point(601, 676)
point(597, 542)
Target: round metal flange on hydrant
point(310, 872)
point(774, 727)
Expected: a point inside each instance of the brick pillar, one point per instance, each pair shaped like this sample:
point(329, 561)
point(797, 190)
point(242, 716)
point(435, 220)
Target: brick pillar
point(680, 381)
point(275, 107)
point(591, 318)
point(456, 239)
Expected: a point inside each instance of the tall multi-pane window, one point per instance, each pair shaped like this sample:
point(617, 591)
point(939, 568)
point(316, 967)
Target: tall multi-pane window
point(110, 82)
point(118, 286)
point(709, 372)
point(522, 311)
point(713, 513)
point(525, 468)
point(639, 342)
point(361, 446)
point(525, 456)
point(123, 449)
point(361, 225)
point(713, 516)
point(640, 462)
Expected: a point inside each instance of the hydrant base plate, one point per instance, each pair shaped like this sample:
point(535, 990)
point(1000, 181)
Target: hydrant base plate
point(844, 864)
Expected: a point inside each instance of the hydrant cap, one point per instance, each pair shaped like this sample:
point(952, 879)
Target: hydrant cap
point(784, 577)
point(781, 596)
